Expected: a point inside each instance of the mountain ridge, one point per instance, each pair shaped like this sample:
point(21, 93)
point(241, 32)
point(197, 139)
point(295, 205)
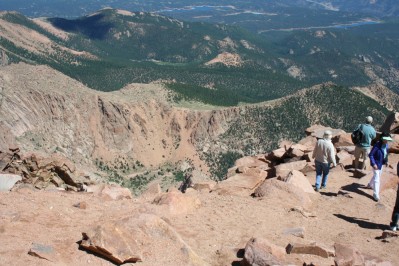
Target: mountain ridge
point(211, 57)
point(105, 125)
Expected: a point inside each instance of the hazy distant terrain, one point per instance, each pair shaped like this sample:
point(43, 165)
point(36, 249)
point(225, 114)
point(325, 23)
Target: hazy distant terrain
point(220, 66)
point(212, 63)
point(222, 11)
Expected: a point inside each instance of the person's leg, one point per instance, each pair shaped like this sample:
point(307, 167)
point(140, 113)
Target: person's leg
point(371, 183)
point(326, 170)
point(319, 172)
point(357, 156)
point(377, 175)
point(395, 213)
point(365, 154)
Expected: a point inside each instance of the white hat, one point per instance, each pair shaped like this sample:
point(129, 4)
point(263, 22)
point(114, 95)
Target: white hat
point(388, 138)
point(327, 134)
point(369, 120)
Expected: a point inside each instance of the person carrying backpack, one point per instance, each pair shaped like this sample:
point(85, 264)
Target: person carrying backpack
point(378, 158)
point(395, 213)
point(362, 149)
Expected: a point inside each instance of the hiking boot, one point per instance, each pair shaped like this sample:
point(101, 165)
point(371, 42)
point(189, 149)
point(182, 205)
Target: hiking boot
point(316, 189)
point(322, 187)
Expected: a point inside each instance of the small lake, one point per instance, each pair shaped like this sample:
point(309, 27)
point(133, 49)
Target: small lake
point(198, 8)
point(356, 24)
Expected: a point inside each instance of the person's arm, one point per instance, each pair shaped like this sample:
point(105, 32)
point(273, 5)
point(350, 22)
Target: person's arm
point(372, 159)
point(386, 160)
point(331, 155)
point(374, 134)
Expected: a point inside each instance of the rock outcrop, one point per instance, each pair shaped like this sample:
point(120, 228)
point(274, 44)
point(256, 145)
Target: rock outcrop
point(87, 125)
point(42, 172)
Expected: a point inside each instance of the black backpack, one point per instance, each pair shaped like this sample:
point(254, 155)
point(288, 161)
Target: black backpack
point(357, 135)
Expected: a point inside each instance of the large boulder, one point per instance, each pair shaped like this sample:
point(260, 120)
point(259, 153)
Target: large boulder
point(145, 238)
point(342, 140)
point(110, 192)
point(251, 161)
point(284, 168)
point(346, 255)
point(253, 171)
point(260, 251)
point(114, 242)
point(297, 149)
point(239, 184)
point(282, 193)
point(177, 203)
point(312, 248)
point(309, 142)
point(277, 154)
point(299, 180)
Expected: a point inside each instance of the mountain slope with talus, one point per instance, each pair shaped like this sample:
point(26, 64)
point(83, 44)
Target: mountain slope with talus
point(233, 222)
point(44, 110)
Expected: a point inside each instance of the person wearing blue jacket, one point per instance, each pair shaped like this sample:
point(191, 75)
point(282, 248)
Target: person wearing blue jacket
point(378, 157)
point(395, 212)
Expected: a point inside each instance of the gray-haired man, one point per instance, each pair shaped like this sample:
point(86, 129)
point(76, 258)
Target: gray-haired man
point(362, 149)
point(324, 155)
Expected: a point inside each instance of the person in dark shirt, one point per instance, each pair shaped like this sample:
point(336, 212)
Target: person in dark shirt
point(378, 158)
point(395, 212)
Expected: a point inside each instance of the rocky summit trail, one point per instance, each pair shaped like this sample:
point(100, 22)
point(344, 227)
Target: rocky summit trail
point(243, 219)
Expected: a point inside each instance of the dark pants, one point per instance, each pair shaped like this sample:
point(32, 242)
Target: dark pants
point(395, 212)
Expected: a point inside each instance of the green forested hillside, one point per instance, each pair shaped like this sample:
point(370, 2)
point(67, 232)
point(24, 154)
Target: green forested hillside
point(260, 128)
point(145, 47)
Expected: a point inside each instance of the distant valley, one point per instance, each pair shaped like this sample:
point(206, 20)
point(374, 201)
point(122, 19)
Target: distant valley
point(181, 132)
point(233, 81)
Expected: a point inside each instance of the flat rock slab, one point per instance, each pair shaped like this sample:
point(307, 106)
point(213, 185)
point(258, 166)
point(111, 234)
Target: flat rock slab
point(42, 251)
point(7, 181)
point(313, 249)
point(239, 183)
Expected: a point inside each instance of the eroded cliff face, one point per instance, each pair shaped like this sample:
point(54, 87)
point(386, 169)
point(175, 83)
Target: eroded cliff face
point(44, 110)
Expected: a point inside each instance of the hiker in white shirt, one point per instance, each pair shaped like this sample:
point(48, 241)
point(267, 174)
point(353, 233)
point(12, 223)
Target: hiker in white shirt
point(324, 155)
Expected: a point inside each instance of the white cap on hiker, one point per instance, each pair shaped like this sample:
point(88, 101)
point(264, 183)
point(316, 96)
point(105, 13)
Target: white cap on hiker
point(327, 134)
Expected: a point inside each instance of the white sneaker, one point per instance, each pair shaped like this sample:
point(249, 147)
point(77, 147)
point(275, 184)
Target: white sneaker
point(376, 198)
point(394, 228)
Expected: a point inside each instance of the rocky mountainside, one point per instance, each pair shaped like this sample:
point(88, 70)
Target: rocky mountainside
point(44, 110)
point(264, 213)
point(64, 116)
